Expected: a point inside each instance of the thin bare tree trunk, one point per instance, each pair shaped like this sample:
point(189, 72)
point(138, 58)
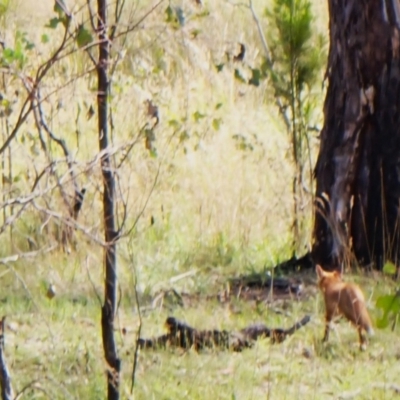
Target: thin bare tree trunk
point(110, 296)
point(7, 392)
point(358, 168)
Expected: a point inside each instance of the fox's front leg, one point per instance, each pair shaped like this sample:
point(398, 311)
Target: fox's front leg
point(326, 334)
point(363, 339)
point(330, 312)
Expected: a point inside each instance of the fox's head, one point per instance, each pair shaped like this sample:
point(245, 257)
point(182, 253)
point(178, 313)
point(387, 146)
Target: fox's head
point(325, 277)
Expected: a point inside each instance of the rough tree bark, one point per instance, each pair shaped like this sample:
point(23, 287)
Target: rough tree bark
point(358, 168)
point(110, 296)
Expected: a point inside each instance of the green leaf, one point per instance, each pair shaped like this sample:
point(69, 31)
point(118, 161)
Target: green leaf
point(170, 14)
point(62, 11)
point(57, 7)
point(202, 14)
point(390, 305)
point(10, 56)
point(5, 102)
point(29, 45)
point(239, 76)
point(4, 5)
point(183, 136)
point(197, 116)
point(255, 77)
point(216, 123)
point(174, 123)
point(218, 106)
point(389, 268)
point(194, 33)
point(53, 23)
point(83, 37)
point(383, 322)
point(153, 153)
point(219, 67)
point(385, 302)
point(45, 38)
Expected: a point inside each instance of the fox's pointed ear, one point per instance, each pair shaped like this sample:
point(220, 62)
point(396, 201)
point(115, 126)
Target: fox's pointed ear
point(337, 274)
point(320, 272)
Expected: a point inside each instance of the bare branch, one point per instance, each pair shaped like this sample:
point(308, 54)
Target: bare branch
point(31, 254)
point(138, 333)
point(23, 115)
point(92, 283)
point(130, 146)
point(39, 121)
point(41, 72)
point(136, 24)
point(70, 222)
point(261, 34)
point(270, 63)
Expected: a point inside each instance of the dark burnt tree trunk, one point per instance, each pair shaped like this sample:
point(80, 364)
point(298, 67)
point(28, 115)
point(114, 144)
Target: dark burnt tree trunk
point(358, 168)
point(109, 308)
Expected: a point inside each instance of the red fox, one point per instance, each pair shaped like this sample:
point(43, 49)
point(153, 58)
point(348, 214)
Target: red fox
point(346, 299)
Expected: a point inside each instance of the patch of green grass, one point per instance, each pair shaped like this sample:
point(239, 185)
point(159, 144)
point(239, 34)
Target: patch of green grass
point(301, 367)
point(58, 342)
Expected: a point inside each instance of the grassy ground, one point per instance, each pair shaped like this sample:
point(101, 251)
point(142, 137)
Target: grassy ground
point(57, 342)
point(221, 205)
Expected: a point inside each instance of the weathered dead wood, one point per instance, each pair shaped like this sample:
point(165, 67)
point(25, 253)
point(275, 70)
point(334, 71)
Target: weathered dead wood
point(184, 336)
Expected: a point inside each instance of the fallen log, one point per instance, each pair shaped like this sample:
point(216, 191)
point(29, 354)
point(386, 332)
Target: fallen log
point(184, 336)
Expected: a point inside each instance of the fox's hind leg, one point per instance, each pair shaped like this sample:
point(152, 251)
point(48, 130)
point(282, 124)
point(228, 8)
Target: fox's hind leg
point(326, 333)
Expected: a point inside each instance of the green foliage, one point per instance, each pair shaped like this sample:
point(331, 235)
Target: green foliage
point(242, 143)
point(45, 38)
point(175, 16)
point(17, 56)
point(292, 67)
point(219, 67)
point(197, 116)
point(5, 107)
point(296, 50)
point(256, 76)
point(62, 16)
point(59, 7)
point(390, 306)
point(216, 123)
point(202, 122)
point(297, 54)
point(389, 268)
point(297, 57)
point(238, 75)
point(150, 139)
point(4, 7)
point(83, 36)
